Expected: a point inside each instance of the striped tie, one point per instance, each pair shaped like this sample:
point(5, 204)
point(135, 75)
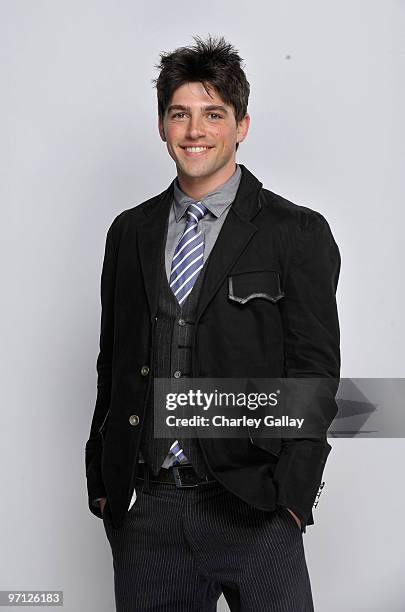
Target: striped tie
point(178, 453)
point(186, 265)
point(188, 255)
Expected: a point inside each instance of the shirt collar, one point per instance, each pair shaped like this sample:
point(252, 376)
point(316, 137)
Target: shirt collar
point(216, 201)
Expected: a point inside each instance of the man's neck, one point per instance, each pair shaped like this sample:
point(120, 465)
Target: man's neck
point(198, 187)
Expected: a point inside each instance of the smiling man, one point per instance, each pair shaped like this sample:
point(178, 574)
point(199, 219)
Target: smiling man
point(214, 277)
point(201, 132)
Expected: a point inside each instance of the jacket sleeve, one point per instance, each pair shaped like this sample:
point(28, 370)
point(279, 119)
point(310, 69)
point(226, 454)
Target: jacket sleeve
point(312, 350)
point(94, 445)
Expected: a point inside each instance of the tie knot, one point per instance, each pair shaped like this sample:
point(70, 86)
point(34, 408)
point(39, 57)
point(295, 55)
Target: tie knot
point(196, 210)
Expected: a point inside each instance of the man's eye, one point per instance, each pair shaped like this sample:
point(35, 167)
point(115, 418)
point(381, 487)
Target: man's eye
point(180, 114)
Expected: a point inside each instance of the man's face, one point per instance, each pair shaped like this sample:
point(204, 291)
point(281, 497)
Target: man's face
point(194, 118)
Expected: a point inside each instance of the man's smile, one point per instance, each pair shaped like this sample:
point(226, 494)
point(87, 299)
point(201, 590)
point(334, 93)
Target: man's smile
point(196, 151)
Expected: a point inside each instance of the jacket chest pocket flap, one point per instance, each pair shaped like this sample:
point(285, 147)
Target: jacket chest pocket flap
point(245, 286)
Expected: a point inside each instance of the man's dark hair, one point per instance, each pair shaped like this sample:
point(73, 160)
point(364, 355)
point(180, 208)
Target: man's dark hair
point(213, 62)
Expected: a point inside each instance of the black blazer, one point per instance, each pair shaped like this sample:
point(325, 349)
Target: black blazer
point(291, 330)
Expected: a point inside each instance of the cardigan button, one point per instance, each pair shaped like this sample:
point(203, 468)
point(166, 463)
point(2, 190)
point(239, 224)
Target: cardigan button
point(145, 370)
point(134, 419)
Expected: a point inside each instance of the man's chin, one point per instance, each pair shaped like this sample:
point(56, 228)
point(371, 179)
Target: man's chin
point(195, 171)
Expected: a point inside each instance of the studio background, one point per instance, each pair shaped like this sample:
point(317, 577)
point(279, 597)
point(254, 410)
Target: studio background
point(79, 144)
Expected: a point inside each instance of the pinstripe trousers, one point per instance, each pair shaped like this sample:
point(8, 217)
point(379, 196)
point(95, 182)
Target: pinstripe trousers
point(180, 549)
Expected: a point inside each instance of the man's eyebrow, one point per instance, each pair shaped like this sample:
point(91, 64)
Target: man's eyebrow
point(210, 107)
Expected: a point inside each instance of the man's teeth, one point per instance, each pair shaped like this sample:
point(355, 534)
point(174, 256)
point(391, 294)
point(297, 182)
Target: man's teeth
point(196, 149)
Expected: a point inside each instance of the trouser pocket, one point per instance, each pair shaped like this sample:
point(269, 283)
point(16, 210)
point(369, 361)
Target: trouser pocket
point(290, 517)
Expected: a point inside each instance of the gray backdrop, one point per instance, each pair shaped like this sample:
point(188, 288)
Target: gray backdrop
point(79, 143)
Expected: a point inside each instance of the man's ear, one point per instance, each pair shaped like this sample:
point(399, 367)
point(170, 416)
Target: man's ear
point(161, 129)
point(243, 128)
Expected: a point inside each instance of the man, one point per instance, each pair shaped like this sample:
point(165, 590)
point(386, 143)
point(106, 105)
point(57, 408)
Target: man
point(215, 277)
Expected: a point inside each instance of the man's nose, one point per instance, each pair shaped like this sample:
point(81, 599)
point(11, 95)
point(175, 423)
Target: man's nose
point(195, 128)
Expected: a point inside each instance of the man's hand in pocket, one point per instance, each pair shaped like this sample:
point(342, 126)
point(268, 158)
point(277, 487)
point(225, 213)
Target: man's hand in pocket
point(297, 520)
point(102, 504)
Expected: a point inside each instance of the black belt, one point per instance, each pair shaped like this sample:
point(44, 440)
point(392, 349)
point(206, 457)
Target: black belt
point(181, 475)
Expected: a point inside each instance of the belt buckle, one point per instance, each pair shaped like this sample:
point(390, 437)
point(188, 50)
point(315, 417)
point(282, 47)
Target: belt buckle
point(177, 477)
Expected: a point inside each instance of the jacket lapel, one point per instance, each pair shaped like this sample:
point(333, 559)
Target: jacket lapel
point(151, 243)
point(235, 234)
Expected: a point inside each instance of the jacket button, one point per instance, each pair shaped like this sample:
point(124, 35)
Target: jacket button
point(177, 374)
point(134, 419)
point(145, 370)
point(182, 322)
